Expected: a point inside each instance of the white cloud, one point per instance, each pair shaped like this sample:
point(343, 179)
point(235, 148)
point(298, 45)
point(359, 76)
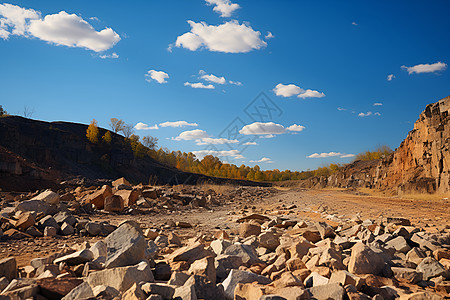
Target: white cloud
point(426, 68)
point(262, 160)
point(341, 109)
point(330, 154)
point(94, 19)
point(250, 144)
point(15, 20)
point(190, 135)
point(295, 127)
point(262, 128)
point(224, 7)
point(269, 129)
point(214, 141)
point(72, 31)
point(177, 124)
point(269, 35)
point(377, 114)
point(378, 104)
point(199, 85)
point(290, 90)
point(390, 77)
point(113, 55)
point(158, 76)
point(219, 153)
point(230, 37)
point(213, 78)
point(238, 83)
point(355, 24)
point(143, 126)
point(287, 90)
point(311, 94)
point(361, 114)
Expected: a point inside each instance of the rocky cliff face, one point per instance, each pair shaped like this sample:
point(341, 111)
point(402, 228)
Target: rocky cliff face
point(420, 164)
point(422, 161)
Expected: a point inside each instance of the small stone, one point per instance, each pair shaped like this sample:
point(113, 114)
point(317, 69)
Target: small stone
point(248, 229)
point(49, 231)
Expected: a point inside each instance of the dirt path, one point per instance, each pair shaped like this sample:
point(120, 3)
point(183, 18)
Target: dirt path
point(307, 205)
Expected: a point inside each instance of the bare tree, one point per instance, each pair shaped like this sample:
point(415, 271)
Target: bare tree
point(150, 142)
point(28, 112)
point(127, 130)
point(116, 125)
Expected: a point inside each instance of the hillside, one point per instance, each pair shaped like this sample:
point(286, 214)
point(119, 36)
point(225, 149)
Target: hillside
point(36, 154)
point(420, 164)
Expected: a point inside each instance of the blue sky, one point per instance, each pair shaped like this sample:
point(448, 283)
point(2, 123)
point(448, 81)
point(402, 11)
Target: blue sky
point(324, 66)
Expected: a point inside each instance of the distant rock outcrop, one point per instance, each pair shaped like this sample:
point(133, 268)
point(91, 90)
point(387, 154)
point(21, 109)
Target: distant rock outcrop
point(420, 164)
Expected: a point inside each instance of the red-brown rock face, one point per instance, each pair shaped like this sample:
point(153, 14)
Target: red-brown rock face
point(422, 161)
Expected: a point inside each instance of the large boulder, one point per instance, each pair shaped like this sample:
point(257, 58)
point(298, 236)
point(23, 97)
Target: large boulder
point(239, 276)
point(364, 260)
point(129, 197)
point(76, 258)
point(190, 253)
point(246, 252)
point(48, 197)
point(122, 278)
point(34, 205)
point(98, 198)
point(431, 268)
point(113, 203)
point(8, 268)
point(125, 246)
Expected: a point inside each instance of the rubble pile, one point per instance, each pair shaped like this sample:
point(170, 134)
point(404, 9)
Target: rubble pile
point(266, 256)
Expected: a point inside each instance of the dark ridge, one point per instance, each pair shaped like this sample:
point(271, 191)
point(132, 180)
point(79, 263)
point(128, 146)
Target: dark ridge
point(37, 154)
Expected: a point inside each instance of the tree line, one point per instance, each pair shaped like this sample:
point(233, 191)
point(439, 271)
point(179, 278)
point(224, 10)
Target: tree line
point(211, 165)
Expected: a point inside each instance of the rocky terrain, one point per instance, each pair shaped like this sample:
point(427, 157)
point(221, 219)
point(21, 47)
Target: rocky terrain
point(220, 242)
point(420, 164)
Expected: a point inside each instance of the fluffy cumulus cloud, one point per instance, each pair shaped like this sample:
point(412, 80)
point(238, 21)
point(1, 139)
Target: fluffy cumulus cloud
point(311, 94)
point(60, 29)
point(250, 144)
point(330, 154)
point(213, 78)
point(262, 160)
point(290, 90)
point(390, 77)
point(218, 153)
point(199, 85)
point(158, 76)
point(261, 128)
point(426, 68)
point(177, 124)
point(230, 37)
point(143, 126)
point(190, 135)
point(378, 104)
point(72, 31)
point(269, 129)
point(202, 138)
point(287, 90)
point(295, 127)
point(15, 20)
point(224, 7)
